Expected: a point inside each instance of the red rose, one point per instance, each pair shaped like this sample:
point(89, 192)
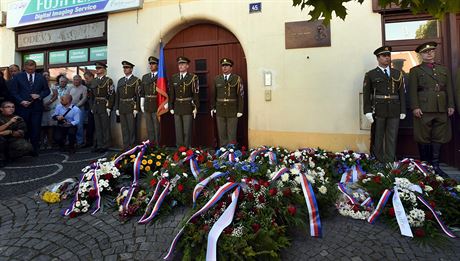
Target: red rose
point(272, 192)
point(377, 179)
point(228, 230)
point(261, 199)
point(265, 184)
point(200, 158)
point(108, 176)
point(243, 148)
point(165, 164)
point(250, 196)
point(287, 192)
point(391, 212)
point(292, 210)
point(240, 215)
point(419, 232)
point(180, 187)
point(163, 182)
point(182, 149)
point(175, 157)
point(396, 171)
point(189, 152)
point(256, 187)
point(72, 214)
point(255, 227)
point(92, 193)
point(355, 208)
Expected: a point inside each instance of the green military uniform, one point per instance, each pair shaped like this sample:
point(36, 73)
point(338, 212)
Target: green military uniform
point(384, 96)
point(228, 102)
point(149, 93)
point(14, 147)
point(183, 99)
point(126, 103)
point(431, 91)
point(103, 90)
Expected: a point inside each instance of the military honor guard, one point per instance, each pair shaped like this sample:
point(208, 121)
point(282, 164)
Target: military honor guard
point(228, 102)
point(126, 104)
point(148, 101)
point(384, 104)
point(103, 91)
point(184, 101)
point(432, 102)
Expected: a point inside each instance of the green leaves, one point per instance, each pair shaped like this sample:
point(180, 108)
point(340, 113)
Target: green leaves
point(323, 9)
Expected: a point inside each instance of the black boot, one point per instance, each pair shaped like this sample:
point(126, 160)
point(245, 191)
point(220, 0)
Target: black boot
point(436, 151)
point(425, 152)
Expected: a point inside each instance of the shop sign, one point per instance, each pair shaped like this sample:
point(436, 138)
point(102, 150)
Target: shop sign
point(58, 57)
point(78, 55)
point(39, 58)
point(27, 12)
point(62, 35)
point(98, 53)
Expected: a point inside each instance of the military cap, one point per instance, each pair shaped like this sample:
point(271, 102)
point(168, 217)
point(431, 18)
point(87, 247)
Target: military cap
point(100, 64)
point(183, 59)
point(425, 47)
point(126, 63)
point(153, 59)
point(226, 61)
point(382, 50)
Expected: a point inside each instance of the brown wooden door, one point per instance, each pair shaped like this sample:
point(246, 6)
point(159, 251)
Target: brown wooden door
point(204, 45)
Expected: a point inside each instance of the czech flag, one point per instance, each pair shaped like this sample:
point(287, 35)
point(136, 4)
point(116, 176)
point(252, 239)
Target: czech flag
point(162, 88)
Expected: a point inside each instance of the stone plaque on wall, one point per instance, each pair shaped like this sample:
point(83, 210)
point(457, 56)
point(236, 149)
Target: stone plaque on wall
point(61, 35)
point(307, 34)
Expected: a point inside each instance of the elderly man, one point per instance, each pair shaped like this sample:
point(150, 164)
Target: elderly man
point(79, 96)
point(12, 131)
point(67, 116)
point(27, 90)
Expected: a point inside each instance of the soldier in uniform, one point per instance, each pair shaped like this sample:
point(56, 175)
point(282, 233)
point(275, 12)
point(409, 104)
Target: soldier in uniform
point(12, 131)
point(384, 103)
point(228, 102)
point(432, 102)
point(148, 100)
point(184, 101)
point(103, 92)
point(126, 104)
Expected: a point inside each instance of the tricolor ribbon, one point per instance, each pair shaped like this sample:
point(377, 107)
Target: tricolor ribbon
point(436, 216)
point(95, 179)
point(378, 210)
point(220, 192)
point(76, 197)
point(158, 199)
point(194, 168)
point(253, 155)
point(200, 186)
point(342, 189)
point(417, 164)
point(351, 175)
point(279, 173)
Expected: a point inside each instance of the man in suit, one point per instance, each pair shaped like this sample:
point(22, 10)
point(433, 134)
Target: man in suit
point(28, 90)
point(126, 104)
point(432, 103)
point(228, 102)
point(103, 91)
point(385, 103)
point(148, 101)
point(184, 101)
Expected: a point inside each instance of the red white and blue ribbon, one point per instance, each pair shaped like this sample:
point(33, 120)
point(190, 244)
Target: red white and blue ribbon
point(352, 174)
point(380, 206)
point(313, 210)
point(200, 186)
point(76, 197)
point(158, 199)
point(417, 164)
point(256, 152)
point(98, 191)
point(220, 192)
point(438, 219)
point(342, 189)
point(193, 165)
point(280, 172)
point(224, 221)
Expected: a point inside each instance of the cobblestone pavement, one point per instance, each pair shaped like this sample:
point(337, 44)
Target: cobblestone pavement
point(33, 230)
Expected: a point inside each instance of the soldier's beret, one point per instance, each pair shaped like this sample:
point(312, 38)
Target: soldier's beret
point(100, 64)
point(126, 63)
point(426, 47)
point(153, 59)
point(382, 50)
point(183, 59)
point(226, 61)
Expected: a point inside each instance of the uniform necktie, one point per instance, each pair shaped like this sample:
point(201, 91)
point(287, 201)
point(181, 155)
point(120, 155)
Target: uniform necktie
point(181, 76)
point(226, 77)
point(386, 72)
point(153, 76)
point(31, 81)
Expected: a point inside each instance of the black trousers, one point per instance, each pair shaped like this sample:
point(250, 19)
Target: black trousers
point(61, 134)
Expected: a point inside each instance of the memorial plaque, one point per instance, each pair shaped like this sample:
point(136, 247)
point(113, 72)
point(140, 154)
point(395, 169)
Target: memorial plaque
point(307, 34)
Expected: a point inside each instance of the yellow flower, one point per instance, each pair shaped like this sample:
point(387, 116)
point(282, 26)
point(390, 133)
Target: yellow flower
point(144, 162)
point(158, 157)
point(151, 154)
point(142, 167)
point(158, 163)
point(147, 168)
point(132, 156)
point(51, 197)
point(150, 162)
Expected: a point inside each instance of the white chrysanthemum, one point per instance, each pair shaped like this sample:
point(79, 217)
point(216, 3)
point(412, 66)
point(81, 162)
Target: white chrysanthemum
point(185, 174)
point(297, 179)
point(322, 190)
point(85, 209)
point(428, 188)
point(295, 171)
point(439, 178)
point(416, 217)
point(457, 188)
point(310, 179)
point(297, 154)
point(77, 204)
point(285, 177)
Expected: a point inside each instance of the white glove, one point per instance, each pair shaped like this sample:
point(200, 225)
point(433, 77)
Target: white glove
point(402, 116)
point(117, 112)
point(166, 106)
point(194, 113)
point(135, 113)
point(171, 111)
point(212, 113)
point(142, 104)
point(108, 112)
point(369, 117)
point(239, 114)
